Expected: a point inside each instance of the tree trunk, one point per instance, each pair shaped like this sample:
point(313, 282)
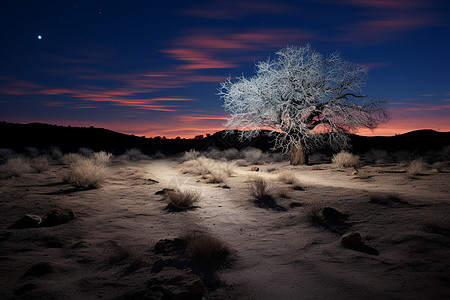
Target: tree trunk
point(299, 155)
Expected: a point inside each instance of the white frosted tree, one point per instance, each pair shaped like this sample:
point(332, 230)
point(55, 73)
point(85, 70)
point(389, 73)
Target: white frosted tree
point(304, 98)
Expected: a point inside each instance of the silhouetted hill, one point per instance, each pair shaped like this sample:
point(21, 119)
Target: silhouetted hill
point(68, 139)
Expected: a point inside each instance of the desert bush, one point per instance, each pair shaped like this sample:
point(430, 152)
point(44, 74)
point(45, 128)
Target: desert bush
point(86, 152)
point(345, 159)
point(231, 154)
point(40, 164)
point(318, 157)
point(102, 158)
point(213, 153)
point(253, 155)
point(135, 154)
point(5, 154)
point(55, 153)
point(205, 247)
point(31, 151)
point(258, 187)
point(275, 157)
point(189, 155)
point(15, 166)
point(85, 174)
point(417, 167)
point(216, 177)
point(313, 212)
point(287, 177)
point(205, 166)
point(180, 200)
point(72, 158)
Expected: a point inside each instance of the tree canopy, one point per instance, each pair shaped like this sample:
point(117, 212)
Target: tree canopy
point(301, 93)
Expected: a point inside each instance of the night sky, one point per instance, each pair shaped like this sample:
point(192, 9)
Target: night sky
point(153, 67)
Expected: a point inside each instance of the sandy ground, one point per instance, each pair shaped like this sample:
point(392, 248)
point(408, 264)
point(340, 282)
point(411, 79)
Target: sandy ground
point(107, 251)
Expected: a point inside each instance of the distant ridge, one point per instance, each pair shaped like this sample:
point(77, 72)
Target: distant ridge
point(69, 139)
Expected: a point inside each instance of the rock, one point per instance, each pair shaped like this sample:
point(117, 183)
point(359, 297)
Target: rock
point(163, 191)
point(254, 169)
point(25, 288)
point(298, 188)
point(38, 270)
point(351, 240)
point(331, 214)
point(27, 221)
point(56, 217)
point(295, 204)
point(158, 266)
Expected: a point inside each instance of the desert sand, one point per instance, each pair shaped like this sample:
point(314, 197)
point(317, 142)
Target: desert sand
point(108, 250)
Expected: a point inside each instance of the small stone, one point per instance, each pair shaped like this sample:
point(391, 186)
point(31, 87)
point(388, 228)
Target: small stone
point(158, 266)
point(27, 221)
point(39, 269)
point(352, 239)
point(254, 169)
point(57, 217)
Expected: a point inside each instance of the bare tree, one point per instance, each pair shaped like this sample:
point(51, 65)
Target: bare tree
point(306, 99)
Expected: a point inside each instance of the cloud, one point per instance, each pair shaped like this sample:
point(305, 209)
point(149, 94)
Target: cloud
point(217, 49)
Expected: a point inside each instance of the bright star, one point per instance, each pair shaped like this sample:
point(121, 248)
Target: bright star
point(40, 37)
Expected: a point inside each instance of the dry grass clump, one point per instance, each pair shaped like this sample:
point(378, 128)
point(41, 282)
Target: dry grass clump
point(231, 154)
point(345, 159)
point(15, 166)
point(216, 177)
point(417, 167)
point(102, 158)
point(189, 155)
point(385, 199)
point(85, 173)
point(213, 170)
point(71, 158)
point(313, 212)
point(135, 154)
point(287, 177)
point(40, 164)
point(262, 198)
point(180, 200)
point(204, 247)
point(86, 152)
point(253, 155)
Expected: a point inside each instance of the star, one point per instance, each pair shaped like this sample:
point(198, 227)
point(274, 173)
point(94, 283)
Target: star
point(39, 37)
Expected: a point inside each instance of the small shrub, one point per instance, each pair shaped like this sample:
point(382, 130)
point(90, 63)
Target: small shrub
point(135, 154)
point(40, 164)
point(85, 174)
point(213, 153)
point(55, 153)
point(377, 156)
point(72, 158)
point(253, 155)
point(345, 159)
point(180, 200)
point(417, 167)
point(31, 152)
point(102, 158)
point(275, 157)
point(231, 154)
point(258, 188)
point(16, 166)
point(287, 177)
point(313, 212)
point(216, 177)
point(86, 152)
point(204, 247)
point(189, 155)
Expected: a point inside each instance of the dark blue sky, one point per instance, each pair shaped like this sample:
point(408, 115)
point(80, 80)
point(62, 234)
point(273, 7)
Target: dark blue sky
point(153, 67)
